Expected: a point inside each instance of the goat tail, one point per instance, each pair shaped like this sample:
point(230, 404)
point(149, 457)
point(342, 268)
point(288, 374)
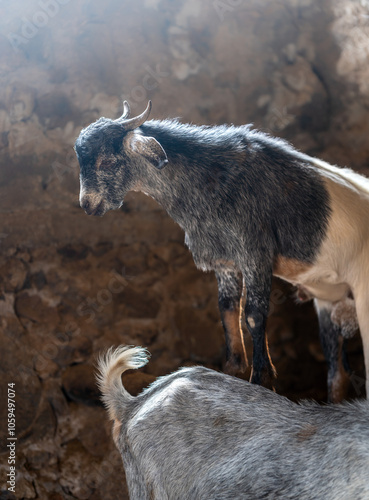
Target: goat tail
point(110, 367)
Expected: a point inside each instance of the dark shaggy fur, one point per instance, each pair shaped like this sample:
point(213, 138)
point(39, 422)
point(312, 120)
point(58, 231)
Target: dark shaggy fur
point(242, 197)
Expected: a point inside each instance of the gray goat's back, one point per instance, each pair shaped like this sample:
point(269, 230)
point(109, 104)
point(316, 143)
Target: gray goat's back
point(199, 434)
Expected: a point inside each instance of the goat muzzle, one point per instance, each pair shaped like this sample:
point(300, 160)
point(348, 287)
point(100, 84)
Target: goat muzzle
point(93, 208)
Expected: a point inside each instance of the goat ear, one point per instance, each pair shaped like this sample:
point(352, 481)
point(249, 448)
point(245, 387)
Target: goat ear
point(149, 148)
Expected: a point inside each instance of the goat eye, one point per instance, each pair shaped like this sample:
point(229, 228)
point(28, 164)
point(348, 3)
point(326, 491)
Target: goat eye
point(106, 164)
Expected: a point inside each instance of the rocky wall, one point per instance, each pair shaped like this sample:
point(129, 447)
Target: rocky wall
point(71, 285)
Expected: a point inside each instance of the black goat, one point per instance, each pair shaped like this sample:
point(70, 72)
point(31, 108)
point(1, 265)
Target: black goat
point(251, 206)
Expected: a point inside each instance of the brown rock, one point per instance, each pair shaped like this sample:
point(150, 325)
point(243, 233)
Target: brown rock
point(134, 383)
point(110, 478)
point(202, 338)
point(54, 394)
point(7, 305)
point(38, 280)
point(7, 495)
point(139, 304)
point(102, 248)
point(77, 469)
point(166, 358)
point(39, 456)
point(44, 425)
point(12, 328)
point(16, 368)
point(76, 252)
point(95, 432)
point(79, 383)
point(74, 350)
point(13, 275)
point(25, 488)
point(44, 366)
point(34, 308)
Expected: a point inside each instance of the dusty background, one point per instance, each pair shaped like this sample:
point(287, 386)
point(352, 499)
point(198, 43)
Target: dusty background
point(71, 285)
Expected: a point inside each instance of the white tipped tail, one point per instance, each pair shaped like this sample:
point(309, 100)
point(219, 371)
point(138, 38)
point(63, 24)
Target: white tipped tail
point(110, 366)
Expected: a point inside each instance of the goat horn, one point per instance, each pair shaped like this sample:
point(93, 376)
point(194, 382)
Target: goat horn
point(126, 111)
point(137, 121)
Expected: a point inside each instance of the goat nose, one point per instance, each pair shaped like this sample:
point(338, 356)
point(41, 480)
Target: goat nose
point(86, 205)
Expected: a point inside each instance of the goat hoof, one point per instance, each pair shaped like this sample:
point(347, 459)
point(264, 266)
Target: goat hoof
point(264, 377)
point(235, 365)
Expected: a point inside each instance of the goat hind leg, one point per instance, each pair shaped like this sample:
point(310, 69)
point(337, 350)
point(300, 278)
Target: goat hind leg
point(362, 309)
point(333, 347)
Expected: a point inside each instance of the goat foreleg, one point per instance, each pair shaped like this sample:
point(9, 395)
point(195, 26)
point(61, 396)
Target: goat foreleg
point(230, 286)
point(258, 287)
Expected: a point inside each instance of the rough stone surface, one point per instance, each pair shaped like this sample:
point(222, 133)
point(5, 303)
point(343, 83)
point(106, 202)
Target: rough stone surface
point(71, 285)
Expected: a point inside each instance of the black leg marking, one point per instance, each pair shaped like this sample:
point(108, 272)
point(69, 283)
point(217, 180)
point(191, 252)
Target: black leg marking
point(334, 351)
point(256, 312)
point(230, 286)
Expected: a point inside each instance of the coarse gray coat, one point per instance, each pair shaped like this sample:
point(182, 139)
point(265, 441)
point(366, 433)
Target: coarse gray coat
point(201, 435)
point(251, 206)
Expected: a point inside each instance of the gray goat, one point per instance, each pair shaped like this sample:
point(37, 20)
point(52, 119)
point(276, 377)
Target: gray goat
point(202, 435)
point(251, 206)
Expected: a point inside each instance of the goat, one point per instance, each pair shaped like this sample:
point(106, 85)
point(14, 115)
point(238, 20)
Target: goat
point(251, 206)
point(200, 434)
